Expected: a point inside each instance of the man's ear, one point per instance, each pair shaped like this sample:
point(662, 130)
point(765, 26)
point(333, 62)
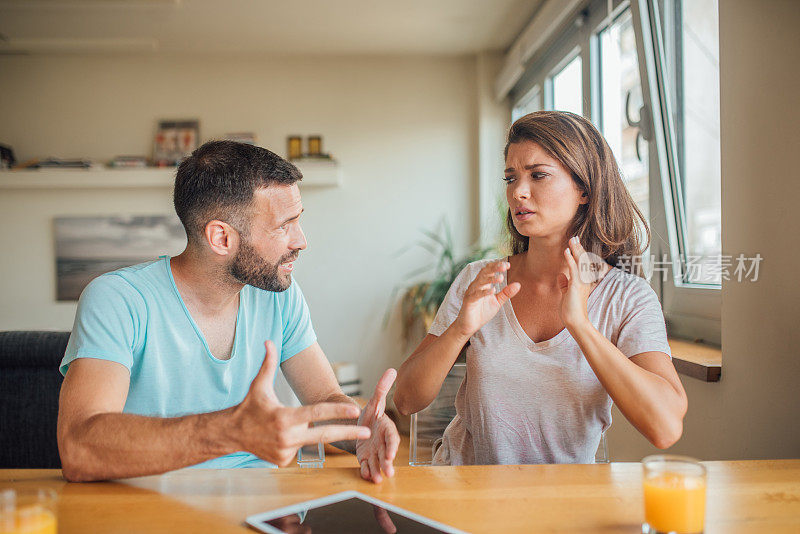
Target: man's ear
point(221, 237)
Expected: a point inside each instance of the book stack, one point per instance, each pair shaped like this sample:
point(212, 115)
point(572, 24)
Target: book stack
point(56, 163)
point(127, 162)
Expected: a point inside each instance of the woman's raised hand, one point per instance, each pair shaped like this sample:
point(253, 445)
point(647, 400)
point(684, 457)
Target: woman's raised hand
point(481, 302)
point(585, 272)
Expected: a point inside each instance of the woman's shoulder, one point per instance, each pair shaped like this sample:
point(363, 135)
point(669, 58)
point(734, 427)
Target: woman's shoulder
point(476, 266)
point(472, 268)
point(470, 271)
point(624, 295)
point(622, 286)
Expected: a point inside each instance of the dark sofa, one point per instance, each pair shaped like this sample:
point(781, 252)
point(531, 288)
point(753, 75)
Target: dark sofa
point(29, 388)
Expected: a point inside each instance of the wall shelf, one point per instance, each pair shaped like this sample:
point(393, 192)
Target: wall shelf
point(315, 174)
point(319, 173)
point(696, 359)
point(87, 178)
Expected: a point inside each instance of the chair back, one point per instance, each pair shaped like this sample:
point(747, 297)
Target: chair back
point(29, 387)
point(428, 425)
point(601, 456)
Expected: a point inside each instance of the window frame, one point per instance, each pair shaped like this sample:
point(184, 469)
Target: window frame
point(535, 93)
point(691, 310)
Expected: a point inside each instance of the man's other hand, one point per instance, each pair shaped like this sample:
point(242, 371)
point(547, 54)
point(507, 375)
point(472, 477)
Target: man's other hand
point(263, 426)
point(376, 453)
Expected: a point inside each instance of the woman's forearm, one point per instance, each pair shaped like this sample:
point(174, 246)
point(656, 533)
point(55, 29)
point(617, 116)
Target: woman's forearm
point(646, 399)
point(420, 377)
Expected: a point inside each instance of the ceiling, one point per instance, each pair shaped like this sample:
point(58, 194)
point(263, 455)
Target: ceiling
point(308, 27)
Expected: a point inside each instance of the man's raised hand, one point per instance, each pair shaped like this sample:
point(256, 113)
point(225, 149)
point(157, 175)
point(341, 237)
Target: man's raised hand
point(263, 426)
point(377, 453)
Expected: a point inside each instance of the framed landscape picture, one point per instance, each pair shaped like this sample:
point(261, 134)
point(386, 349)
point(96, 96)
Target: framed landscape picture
point(87, 247)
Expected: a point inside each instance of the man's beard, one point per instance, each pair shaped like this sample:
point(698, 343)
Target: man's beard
point(249, 268)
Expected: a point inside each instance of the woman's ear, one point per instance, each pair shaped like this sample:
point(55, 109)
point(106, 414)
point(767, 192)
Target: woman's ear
point(584, 198)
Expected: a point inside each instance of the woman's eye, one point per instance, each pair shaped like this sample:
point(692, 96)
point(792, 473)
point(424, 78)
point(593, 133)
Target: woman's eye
point(538, 175)
point(508, 179)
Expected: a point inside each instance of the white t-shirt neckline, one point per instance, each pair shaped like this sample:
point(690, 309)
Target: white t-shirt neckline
point(563, 335)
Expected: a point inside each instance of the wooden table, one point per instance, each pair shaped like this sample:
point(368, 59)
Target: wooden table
point(747, 496)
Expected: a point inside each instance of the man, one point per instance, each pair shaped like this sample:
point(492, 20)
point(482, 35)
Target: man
point(164, 367)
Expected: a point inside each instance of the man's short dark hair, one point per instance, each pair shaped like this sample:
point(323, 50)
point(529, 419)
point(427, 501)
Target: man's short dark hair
point(218, 181)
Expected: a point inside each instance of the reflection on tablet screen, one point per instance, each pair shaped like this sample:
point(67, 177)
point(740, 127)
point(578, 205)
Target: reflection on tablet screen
point(350, 515)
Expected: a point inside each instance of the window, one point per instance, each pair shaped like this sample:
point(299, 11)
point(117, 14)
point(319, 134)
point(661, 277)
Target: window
point(568, 88)
point(621, 107)
point(696, 56)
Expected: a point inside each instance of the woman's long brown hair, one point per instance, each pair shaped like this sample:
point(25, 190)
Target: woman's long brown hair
point(610, 224)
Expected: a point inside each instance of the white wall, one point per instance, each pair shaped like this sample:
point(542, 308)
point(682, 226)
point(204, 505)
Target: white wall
point(403, 128)
point(753, 411)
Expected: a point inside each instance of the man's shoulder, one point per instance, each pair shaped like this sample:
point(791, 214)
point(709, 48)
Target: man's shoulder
point(126, 281)
point(141, 271)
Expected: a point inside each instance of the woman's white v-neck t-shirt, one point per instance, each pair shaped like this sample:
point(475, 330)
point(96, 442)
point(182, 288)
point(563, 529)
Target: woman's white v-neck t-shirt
point(531, 403)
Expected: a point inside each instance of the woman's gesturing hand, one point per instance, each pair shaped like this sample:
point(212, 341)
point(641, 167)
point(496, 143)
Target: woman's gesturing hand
point(481, 302)
point(585, 272)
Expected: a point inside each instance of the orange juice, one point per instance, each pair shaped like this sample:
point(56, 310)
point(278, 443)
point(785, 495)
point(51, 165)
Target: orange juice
point(28, 512)
point(35, 520)
point(675, 502)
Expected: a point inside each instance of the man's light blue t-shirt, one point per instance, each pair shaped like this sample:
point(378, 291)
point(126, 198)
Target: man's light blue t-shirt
point(136, 317)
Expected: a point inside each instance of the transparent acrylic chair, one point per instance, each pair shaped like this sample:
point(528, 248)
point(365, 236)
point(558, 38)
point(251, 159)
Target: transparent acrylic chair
point(601, 456)
point(428, 425)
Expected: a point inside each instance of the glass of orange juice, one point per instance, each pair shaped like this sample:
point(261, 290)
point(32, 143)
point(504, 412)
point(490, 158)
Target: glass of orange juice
point(674, 495)
point(28, 511)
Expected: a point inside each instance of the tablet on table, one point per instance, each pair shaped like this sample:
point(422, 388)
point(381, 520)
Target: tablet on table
point(348, 511)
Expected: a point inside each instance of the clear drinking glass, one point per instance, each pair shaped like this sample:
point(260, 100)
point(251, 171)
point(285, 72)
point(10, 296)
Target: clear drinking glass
point(674, 495)
point(311, 455)
point(28, 511)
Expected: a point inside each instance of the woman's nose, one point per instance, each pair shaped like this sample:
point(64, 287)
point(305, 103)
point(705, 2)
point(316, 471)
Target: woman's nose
point(521, 192)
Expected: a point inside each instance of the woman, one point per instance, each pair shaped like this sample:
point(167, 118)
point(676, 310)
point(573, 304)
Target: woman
point(559, 338)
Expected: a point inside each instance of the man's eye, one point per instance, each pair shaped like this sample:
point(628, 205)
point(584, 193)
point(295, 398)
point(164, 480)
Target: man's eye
point(508, 179)
point(539, 175)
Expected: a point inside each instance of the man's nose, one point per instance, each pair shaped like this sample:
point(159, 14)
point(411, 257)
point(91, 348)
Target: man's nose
point(298, 240)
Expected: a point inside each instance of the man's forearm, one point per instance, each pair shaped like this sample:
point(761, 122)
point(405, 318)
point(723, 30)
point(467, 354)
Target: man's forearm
point(347, 446)
point(118, 445)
